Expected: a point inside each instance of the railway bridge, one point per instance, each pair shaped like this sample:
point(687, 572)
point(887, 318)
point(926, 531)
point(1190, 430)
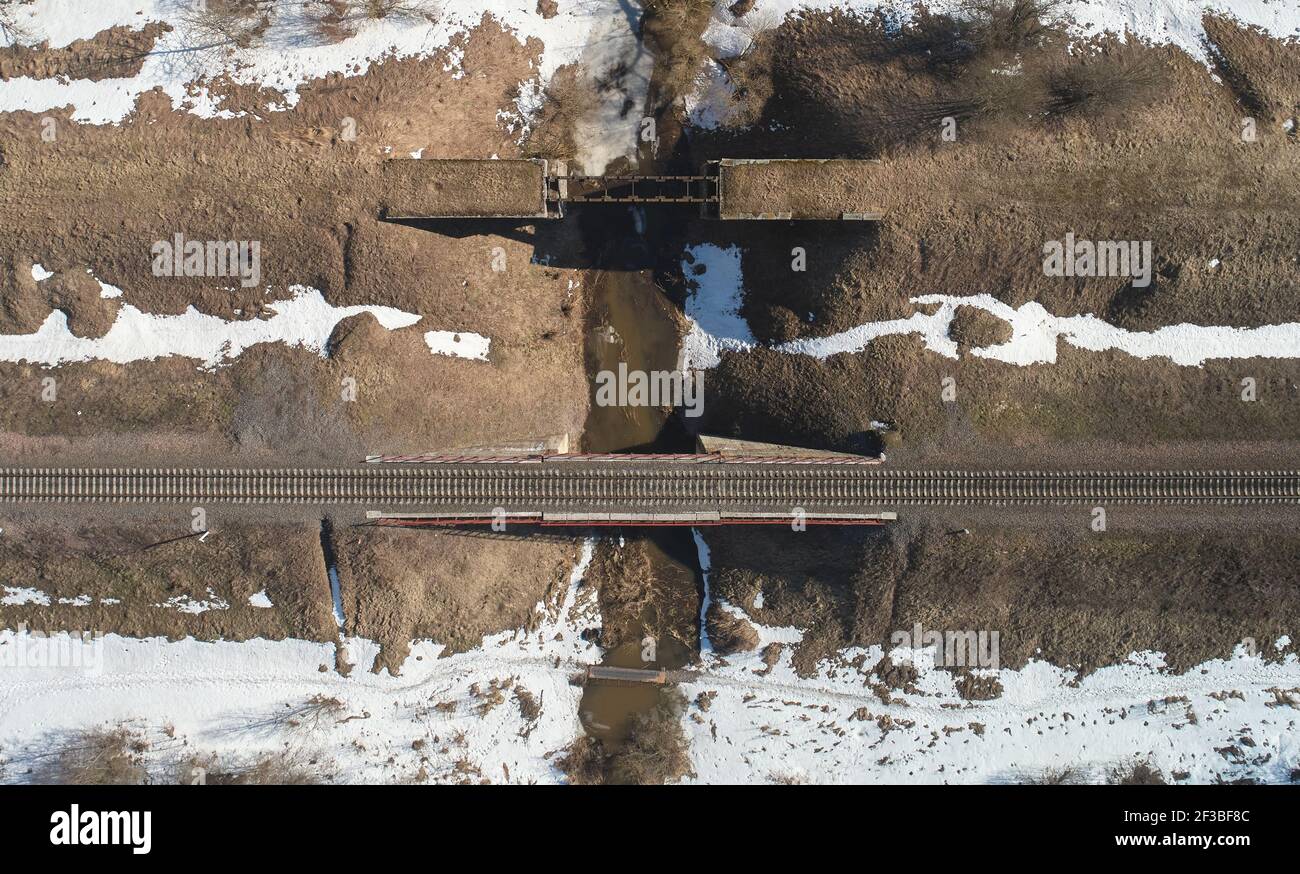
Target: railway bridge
point(729, 189)
point(562, 489)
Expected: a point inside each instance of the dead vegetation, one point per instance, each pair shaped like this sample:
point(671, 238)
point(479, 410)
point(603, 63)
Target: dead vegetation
point(1098, 87)
point(316, 711)
point(101, 756)
point(1136, 773)
point(336, 20)
point(280, 769)
point(655, 752)
point(238, 23)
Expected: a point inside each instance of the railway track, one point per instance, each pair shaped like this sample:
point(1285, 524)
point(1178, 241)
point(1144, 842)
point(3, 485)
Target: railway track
point(644, 485)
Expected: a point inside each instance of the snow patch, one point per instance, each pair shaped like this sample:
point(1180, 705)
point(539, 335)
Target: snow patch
point(186, 604)
point(460, 344)
point(717, 326)
point(304, 320)
point(16, 596)
point(223, 697)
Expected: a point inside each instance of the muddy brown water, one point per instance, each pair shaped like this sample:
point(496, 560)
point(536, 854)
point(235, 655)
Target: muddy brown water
point(607, 709)
point(632, 322)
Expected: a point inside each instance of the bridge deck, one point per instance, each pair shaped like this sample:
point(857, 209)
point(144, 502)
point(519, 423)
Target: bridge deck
point(784, 188)
point(428, 188)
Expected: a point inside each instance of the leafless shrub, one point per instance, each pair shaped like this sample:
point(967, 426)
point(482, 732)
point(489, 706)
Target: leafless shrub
point(1006, 25)
point(1137, 773)
point(583, 762)
point(13, 33)
point(1101, 85)
point(656, 750)
point(781, 778)
point(239, 23)
point(273, 770)
point(568, 98)
point(529, 707)
point(341, 12)
point(1053, 777)
point(97, 757)
point(311, 713)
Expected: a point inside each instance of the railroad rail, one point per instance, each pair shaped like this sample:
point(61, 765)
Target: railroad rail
point(641, 486)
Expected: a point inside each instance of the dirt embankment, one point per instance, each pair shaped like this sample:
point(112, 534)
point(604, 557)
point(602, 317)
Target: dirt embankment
point(1131, 142)
point(116, 53)
point(1072, 597)
point(303, 184)
point(1127, 142)
point(143, 577)
point(451, 588)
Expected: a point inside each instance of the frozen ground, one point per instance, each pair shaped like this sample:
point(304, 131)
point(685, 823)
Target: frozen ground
point(716, 327)
point(1177, 22)
point(1230, 719)
point(600, 34)
point(458, 718)
point(237, 700)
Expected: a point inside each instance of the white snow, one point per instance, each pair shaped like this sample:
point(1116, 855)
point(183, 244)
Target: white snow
point(716, 326)
point(616, 64)
point(770, 723)
point(713, 306)
point(40, 274)
point(710, 104)
point(16, 596)
point(186, 604)
point(229, 698)
point(461, 344)
point(304, 320)
point(292, 52)
point(260, 600)
point(79, 601)
point(336, 597)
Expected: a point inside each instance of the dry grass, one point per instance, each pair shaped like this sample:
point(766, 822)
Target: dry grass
point(656, 750)
point(1101, 86)
point(1006, 25)
point(97, 757)
point(583, 762)
point(272, 770)
point(1137, 773)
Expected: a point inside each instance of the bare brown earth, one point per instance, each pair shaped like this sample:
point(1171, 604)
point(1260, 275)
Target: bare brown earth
point(1159, 159)
point(452, 588)
point(98, 197)
point(127, 570)
point(1156, 156)
point(826, 190)
point(115, 53)
point(435, 187)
